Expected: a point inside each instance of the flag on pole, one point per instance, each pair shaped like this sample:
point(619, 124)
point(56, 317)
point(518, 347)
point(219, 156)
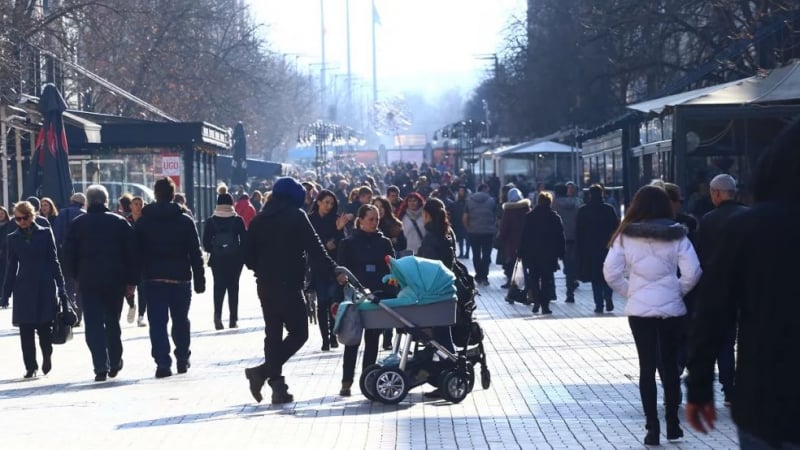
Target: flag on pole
point(376, 18)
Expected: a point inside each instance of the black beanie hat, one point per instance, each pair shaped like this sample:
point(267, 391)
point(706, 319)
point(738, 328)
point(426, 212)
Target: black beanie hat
point(223, 198)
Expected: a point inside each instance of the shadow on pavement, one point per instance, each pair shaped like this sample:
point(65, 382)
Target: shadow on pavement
point(47, 389)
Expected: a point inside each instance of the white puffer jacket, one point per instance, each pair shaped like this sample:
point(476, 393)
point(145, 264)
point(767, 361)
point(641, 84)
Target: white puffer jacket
point(650, 253)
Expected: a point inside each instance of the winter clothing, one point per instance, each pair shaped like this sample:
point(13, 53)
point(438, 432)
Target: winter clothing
point(226, 267)
point(594, 226)
point(652, 251)
point(291, 190)
point(436, 246)
point(245, 210)
point(63, 221)
point(511, 226)
point(480, 208)
point(326, 228)
point(413, 234)
point(514, 195)
point(751, 276)
point(541, 247)
point(224, 199)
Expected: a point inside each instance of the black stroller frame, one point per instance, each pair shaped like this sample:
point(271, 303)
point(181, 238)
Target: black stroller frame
point(390, 380)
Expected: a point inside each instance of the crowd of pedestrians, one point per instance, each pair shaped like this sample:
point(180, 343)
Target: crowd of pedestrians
point(695, 286)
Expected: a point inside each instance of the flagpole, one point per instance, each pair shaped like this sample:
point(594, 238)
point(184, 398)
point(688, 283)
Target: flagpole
point(374, 59)
point(349, 106)
point(322, 67)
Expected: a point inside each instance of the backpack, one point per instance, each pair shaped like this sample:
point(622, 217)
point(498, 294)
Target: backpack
point(224, 243)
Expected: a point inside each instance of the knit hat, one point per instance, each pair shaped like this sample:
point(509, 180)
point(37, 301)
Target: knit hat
point(34, 201)
point(223, 198)
point(78, 198)
point(514, 195)
point(287, 188)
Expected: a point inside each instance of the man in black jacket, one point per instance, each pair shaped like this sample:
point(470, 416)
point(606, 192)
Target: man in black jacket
point(712, 225)
point(99, 253)
point(169, 246)
point(751, 277)
point(276, 245)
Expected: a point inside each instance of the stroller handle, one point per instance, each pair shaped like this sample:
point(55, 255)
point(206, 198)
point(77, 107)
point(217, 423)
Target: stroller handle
point(352, 278)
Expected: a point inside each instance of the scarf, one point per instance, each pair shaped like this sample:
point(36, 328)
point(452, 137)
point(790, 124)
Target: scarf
point(224, 211)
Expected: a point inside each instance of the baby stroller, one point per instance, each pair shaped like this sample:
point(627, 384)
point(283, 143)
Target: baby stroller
point(427, 298)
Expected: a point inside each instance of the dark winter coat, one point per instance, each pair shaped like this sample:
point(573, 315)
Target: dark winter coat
point(480, 211)
point(567, 208)
point(100, 252)
point(33, 276)
point(542, 240)
point(364, 254)
point(276, 245)
point(456, 214)
point(436, 245)
point(709, 234)
point(63, 221)
point(511, 226)
point(753, 275)
point(216, 224)
point(326, 229)
point(168, 244)
point(595, 224)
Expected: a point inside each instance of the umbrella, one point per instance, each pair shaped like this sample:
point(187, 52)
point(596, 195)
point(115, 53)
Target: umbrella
point(239, 172)
point(49, 169)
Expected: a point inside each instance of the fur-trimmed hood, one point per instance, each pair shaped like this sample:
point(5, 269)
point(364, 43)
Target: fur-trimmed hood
point(521, 204)
point(661, 229)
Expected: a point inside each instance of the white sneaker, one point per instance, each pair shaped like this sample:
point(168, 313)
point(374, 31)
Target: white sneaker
point(131, 313)
point(140, 322)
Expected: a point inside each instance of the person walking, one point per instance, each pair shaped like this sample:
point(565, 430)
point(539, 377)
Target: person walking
point(751, 277)
point(222, 239)
point(171, 260)
point(100, 254)
point(33, 276)
point(541, 247)
point(4, 221)
point(137, 204)
point(329, 225)
point(411, 216)
point(650, 247)
point(594, 226)
point(459, 205)
point(60, 227)
point(511, 225)
point(245, 209)
point(364, 254)
point(480, 221)
point(566, 205)
point(278, 244)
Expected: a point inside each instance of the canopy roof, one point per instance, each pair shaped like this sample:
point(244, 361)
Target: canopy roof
point(535, 146)
point(778, 85)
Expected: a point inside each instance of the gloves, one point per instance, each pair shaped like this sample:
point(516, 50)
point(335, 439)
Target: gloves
point(199, 284)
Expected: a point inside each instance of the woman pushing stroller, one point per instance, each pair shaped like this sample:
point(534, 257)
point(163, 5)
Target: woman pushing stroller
point(364, 254)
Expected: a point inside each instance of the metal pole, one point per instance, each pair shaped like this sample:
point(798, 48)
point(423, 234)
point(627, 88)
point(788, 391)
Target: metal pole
point(4, 152)
point(349, 106)
point(374, 58)
point(322, 67)
point(18, 145)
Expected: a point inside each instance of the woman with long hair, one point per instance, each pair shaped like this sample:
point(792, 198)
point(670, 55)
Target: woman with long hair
point(33, 276)
point(650, 247)
point(137, 204)
point(389, 224)
point(459, 206)
point(329, 225)
point(410, 213)
point(364, 254)
point(47, 209)
point(223, 238)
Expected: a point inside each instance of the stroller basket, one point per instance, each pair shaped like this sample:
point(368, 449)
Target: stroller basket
point(427, 315)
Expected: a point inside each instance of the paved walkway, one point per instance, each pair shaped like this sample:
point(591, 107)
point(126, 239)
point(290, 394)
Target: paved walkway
point(564, 381)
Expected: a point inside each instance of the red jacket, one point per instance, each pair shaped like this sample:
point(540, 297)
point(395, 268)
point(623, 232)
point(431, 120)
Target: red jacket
point(246, 210)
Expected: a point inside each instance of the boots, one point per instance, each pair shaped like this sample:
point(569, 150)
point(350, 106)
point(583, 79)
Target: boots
point(653, 433)
point(546, 308)
point(256, 379)
point(345, 390)
point(674, 431)
point(280, 391)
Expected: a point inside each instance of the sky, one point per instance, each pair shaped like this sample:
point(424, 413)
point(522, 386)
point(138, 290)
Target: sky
point(423, 46)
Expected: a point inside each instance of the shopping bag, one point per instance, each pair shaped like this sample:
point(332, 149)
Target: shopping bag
point(348, 327)
point(516, 286)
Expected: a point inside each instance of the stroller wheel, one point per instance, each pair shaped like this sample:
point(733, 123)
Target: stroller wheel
point(367, 381)
point(470, 378)
point(455, 386)
point(391, 385)
point(486, 377)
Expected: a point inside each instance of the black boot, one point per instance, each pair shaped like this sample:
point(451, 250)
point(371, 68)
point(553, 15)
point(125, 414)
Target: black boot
point(256, 379)
point(546, 308)
point(653, 433)
point(609, 304)
point(674, 430)
point(535, 308)
point(280, 391)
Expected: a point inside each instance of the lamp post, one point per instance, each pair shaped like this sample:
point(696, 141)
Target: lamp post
point(323, 135)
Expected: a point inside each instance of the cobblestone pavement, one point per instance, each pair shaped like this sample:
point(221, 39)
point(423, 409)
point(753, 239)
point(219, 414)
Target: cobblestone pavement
point(564, 381)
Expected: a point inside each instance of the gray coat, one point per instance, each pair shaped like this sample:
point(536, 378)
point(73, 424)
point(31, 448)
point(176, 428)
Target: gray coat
point(33, 276)
point(480, 209)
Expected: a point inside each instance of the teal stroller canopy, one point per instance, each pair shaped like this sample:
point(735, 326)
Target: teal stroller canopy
point(421, 281)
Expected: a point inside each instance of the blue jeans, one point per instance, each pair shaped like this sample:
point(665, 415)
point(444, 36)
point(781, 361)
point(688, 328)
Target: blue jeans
point(749, 441)
point(165, 301)
point(600, 291)
point(101, 313)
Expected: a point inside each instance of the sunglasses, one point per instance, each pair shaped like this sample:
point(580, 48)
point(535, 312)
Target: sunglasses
point(21, 218)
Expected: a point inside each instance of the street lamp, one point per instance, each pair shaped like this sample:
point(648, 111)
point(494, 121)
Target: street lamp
point(322, 135)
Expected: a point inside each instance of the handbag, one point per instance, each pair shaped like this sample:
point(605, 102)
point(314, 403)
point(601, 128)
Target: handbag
point(348, 328)
point(516, 286)
point(65, 320)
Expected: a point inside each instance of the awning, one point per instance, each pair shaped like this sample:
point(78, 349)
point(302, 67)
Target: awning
point(778, 85)
point(535, 146)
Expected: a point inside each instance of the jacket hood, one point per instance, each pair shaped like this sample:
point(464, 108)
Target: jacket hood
point(566, 203)
point(480, 197)
point(276, 206)
point(162, 209)
point(661, 230)
point(521, 204)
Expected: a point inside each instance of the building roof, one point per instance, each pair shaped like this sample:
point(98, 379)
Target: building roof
point(535, 146)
